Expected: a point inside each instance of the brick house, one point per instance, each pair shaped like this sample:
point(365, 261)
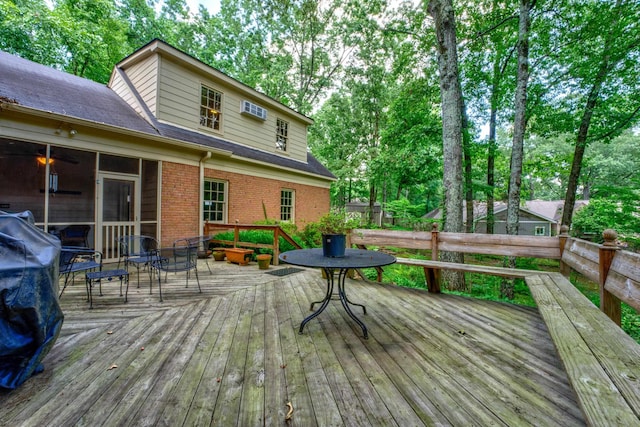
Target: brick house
point(168, 143)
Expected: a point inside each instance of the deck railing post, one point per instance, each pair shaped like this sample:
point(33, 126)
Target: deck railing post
point(433, 275)
point(565, 269)
point(276, 244)
point(609, 303)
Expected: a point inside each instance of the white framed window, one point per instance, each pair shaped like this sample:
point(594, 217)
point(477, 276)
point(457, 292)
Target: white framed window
point(282, 134)
point(287, 203)
point(541, 230)
point(215, 201)
point(210, 108)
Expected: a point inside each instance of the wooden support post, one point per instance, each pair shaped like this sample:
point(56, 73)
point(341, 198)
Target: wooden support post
point(276, 245)
point(609, 303)
point(565, 269)
point(433, 279)
point(236, 234)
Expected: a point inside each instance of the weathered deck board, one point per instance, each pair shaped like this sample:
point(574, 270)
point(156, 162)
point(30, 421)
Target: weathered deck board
point(233, 356)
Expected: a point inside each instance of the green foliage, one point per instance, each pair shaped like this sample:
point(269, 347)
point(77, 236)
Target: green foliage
point(630, 322)
point(336, 221)
point(259, 236)
point(403, 211)
point(621, 214)
point(311, 236)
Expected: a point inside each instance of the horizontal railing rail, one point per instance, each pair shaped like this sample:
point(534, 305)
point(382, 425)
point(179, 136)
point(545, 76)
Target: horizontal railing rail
point(616, 271)
point(211, 229)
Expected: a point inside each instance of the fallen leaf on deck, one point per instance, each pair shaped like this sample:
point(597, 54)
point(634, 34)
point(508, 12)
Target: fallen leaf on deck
point(114, 366)
point(290, 413)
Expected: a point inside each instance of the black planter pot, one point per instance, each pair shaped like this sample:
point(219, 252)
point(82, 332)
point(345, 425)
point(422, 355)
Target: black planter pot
point(334, 245)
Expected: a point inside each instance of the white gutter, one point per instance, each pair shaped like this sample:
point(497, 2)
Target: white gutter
point(144, 135)
point(107, 127)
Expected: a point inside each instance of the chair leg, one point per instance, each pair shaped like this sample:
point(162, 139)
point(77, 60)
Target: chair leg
point(126, 292)
point(160, 284)
point(66, 279)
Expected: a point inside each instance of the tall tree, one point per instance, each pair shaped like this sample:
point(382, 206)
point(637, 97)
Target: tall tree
point(615, 47)
point(450, 93)
point(92, 35)
point(519, 126)
point(488, 69)
point(520, 121)
point(28, 29)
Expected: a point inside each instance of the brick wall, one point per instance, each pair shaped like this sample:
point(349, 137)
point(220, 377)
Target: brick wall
point(246, 195)
point(180, 199)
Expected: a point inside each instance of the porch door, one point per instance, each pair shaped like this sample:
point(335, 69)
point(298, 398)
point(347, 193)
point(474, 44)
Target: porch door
point(118, 211)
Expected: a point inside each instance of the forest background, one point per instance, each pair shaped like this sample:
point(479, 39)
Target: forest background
point(556, 83)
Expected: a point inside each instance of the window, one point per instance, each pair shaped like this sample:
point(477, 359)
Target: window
point(286, 205)
point(210, 108)
point(541, 231)
point(215, 201)
point(282, 130)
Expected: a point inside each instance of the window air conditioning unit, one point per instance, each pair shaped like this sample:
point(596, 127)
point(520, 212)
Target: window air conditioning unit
point(253, 110)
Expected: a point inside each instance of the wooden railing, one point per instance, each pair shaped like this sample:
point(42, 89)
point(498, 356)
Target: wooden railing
point(211, 229)
point(600, 359)
point(616, 271)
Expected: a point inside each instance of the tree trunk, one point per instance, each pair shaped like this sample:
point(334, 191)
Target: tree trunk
point(581, 142)
point(491, 159)
point(519, 125)
point(443, 16)
point(372, 201)
point(468, 175)
point(585, 122)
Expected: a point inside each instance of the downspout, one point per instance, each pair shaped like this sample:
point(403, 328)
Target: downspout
point(203, 160)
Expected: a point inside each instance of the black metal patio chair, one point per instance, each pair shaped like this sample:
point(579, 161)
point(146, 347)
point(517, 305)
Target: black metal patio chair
point(201, 243)
point(138, 251)
point(74, 260)
point(174, 260)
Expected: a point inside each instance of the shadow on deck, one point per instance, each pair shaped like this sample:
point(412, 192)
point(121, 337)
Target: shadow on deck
point(233, 356)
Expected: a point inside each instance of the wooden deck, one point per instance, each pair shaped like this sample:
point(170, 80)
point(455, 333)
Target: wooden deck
point(233, 356)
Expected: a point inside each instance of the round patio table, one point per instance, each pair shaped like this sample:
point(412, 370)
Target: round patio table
point(354, 258)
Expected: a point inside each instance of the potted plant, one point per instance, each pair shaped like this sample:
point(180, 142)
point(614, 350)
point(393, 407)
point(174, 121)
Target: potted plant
point(334, 227)
point(263, 261)
point(219, 254)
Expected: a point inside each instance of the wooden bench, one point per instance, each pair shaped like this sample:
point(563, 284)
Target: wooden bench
point(601, 361)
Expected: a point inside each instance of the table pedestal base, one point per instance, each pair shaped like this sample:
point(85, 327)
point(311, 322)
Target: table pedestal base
point(343, 299)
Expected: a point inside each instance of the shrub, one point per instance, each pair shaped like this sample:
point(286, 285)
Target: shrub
point(259, 236)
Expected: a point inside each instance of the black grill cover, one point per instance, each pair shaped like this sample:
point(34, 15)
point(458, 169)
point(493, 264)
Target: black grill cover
point(30, 316)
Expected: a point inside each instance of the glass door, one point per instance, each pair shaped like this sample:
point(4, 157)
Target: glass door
point(119, 212)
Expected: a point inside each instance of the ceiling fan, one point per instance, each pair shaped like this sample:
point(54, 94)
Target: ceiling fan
point(24, 150)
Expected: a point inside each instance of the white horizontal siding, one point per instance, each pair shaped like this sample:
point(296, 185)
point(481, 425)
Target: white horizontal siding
point(144, 77)
point(179, 103)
